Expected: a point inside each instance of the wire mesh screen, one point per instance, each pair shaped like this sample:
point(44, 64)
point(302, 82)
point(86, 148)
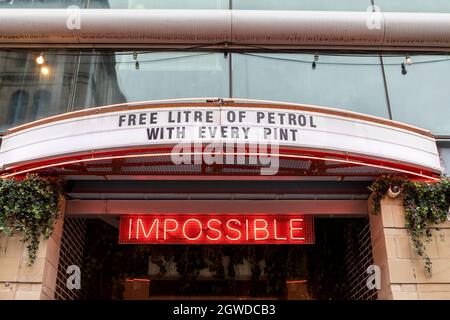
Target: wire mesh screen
point(71, 253)
point(358, 258)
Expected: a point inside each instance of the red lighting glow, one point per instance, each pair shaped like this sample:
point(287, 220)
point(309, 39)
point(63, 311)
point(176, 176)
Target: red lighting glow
point(15, 171)
point(216, 229)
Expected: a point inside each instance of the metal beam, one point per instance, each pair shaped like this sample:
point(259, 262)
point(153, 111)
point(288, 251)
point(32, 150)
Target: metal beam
point(93, 208)
point(169, 187)
point(233, 29)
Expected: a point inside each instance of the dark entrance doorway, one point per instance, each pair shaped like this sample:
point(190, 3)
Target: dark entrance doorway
point(333, 268)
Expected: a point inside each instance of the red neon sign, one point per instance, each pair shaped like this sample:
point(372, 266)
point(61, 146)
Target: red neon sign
point(216, 229)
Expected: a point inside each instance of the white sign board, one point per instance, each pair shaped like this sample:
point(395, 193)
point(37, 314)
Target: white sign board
point(151, 126)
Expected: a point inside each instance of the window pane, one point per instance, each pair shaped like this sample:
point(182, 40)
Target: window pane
point(444, 152)
point(159, 4)
point(414, 5)
point(19, 72)
point(320, 5)
point(115, 78)
point(351, 83)
point(41, 99)
point(422, 96)
point(5, 4)
point(17, 107)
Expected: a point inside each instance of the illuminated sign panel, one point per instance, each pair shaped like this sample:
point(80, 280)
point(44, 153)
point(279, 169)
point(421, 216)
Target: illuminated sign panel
point(125, 127)
point(216, 229)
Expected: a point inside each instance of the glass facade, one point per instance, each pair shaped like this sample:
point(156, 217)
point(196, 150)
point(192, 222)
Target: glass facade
point(413, 5)
point(368, 84)
point(421, 97)
point(343, 5)
point(80, 80)
point(117, 78)
point(4, 4)
point(351, 83)
point(160, 4)
point(444, 152)
point(27, 94)
point(319, 5)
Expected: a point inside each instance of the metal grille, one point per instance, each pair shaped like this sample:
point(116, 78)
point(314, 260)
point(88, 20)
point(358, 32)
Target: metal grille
point(71, 253)
point(358, 258)
point(159, 162)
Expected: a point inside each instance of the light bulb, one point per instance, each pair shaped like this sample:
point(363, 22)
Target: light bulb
point(408, 60)
point(404, 71)
point(316, 58)
point(45, 70)
point(40, 59)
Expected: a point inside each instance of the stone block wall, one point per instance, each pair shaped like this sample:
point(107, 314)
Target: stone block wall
point(18, 280)
point(403, 275)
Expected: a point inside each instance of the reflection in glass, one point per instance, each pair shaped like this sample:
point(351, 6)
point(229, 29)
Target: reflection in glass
point(444, 153)
point(47, 95)
point(413, 5)
point(36, 4)
point(96, 82)
point(319, 5)
point(159, 4)
point(104, 80)
point(78, 81)
point(18, 107)
point(41, 99)
point(350, 83)
point(90, 79)
point(421, 97)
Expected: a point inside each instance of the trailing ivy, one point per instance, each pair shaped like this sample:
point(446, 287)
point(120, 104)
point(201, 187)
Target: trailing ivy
point(29, 207)
point(426, 206)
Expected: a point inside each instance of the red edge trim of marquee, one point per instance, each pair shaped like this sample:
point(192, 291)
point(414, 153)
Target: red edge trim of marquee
point(417, 173)
point(229, 229)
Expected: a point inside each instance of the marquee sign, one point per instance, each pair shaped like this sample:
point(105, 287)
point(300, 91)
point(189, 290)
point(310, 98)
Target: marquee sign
point(127, 127)
point(216, 229)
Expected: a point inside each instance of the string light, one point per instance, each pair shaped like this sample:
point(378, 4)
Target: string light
point(408, 60)
point(404, 71)
point(136, 64)
point(45, 70)
point(316, 58)
point(40, 60)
